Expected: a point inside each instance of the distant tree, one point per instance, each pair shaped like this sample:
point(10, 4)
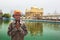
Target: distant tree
point(6, 15)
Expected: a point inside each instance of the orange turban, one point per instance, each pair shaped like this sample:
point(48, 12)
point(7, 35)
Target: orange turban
point(17, 12)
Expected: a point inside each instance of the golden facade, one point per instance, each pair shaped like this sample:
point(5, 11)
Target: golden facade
point(34, 12)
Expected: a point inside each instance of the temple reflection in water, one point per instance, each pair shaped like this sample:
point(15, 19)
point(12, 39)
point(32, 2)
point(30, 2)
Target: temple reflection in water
point(35, 28)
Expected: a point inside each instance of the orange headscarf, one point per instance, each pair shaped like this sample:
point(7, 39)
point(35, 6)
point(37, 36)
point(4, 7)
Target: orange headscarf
point(17, 12)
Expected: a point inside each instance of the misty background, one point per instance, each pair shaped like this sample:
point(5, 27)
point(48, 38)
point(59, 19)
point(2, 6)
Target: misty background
point(49, 6)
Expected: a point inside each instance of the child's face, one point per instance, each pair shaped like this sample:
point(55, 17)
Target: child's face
point(17, 17)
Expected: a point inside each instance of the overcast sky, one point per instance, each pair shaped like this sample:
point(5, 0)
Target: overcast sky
point(49, 5)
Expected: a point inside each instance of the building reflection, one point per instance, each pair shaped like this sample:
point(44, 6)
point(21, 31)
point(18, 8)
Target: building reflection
point(56, 26)
point(53, 26)
point(6, 21)
point(35, 28)
point(1, 21)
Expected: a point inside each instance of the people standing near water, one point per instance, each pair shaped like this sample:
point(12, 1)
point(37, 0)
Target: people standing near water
point(17, 29)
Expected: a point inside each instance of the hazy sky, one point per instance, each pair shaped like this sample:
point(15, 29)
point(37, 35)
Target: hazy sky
point(49, 5)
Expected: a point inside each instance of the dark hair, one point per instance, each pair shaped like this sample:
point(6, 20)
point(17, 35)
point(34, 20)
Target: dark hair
point(12, 15)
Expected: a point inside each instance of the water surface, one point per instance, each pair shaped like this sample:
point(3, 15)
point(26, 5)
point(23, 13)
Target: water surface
point(36, 31)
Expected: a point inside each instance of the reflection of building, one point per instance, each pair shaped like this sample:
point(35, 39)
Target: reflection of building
point(1, 13)
point(53, 26)
point(34, 13)
point(1, 21)
point(35, 28)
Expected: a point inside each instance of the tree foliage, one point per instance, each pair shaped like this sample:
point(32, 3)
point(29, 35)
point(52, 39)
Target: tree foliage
point(6, 15)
